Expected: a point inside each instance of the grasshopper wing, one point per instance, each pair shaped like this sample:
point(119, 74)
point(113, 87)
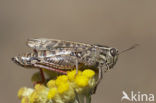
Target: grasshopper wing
point(49, 44)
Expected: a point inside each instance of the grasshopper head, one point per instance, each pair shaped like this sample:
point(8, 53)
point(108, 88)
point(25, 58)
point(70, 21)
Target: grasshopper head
point(108, 56)
point(112, 57)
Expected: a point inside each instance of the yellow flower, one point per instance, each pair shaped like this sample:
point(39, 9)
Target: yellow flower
point(68, 95)
point(24, 92)
point(63, 87)
point(34, 96)
point(38, 86)
point(72, 74)
point(25, 100)
point(39, 95)
point(61, 80)
point(52, 92)
point(81, 80)
point(88, 73)
point(51, 84)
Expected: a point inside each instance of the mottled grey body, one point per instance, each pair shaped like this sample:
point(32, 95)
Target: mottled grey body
point(63, 55)
point(60, 56)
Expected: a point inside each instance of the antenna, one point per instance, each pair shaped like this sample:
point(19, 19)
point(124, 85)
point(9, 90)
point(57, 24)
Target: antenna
point(130, 48)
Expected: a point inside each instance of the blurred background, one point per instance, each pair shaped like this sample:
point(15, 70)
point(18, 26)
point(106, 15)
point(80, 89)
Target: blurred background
point(116, 23)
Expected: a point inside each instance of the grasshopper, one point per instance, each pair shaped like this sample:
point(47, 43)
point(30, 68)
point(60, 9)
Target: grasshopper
point(61, 56)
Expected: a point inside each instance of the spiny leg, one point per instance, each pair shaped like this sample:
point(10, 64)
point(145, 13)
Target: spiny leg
point(76, 62)
point(77, 66)
point(49, 68)
point(100, 75)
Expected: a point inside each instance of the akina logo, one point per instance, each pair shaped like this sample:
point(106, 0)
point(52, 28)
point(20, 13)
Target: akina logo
point(137, 96)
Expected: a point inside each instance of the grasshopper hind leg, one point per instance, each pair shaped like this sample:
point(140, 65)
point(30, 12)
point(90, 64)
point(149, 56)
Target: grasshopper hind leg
point(38, 77)
point(49, 68)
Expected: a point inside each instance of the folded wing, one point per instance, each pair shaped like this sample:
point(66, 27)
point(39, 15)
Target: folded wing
point(49, 44)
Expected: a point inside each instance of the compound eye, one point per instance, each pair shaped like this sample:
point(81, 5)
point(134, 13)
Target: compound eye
point(113, 52)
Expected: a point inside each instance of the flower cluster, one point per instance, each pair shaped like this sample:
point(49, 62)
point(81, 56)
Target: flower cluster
point(68, 88)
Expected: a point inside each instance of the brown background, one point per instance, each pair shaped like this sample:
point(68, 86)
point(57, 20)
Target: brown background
point(116, 23)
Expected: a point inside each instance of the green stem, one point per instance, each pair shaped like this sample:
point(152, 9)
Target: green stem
point(88, 98)
point(81, 98)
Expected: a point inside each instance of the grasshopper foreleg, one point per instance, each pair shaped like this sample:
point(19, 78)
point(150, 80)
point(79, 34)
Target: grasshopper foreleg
point(77, 66)
point(100, 76)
